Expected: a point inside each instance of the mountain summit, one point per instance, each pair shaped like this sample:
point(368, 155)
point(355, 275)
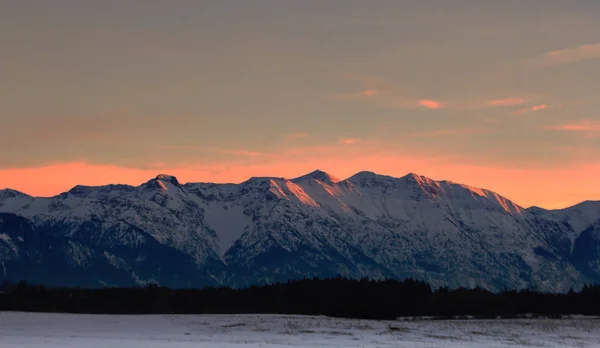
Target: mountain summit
point(275, 229)
point(318, 175)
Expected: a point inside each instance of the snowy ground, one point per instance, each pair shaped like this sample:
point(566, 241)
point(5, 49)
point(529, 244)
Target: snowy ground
point(271, 331)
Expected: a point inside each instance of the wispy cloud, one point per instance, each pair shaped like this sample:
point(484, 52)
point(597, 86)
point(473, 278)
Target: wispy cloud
point(569, 55)
point(369, 92)
point(390, 99)
point(532, 109)
point(349, 141)
point(430, 104)
point(381, 94)
point(587, 126)
point(507, 101)
point(539, 107)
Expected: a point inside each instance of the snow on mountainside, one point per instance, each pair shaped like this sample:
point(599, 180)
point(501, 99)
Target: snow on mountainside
point(274, 229)
point(580, 216)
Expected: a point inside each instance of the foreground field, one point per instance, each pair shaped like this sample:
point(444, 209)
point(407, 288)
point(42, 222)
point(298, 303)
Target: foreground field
point(271, 331)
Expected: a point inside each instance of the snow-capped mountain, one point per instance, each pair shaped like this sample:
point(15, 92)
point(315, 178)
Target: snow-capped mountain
point(274, 229)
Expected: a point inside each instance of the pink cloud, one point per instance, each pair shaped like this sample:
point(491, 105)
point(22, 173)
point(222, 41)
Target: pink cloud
point(532, 109)
point(581, 126)
point(388, 99)
point(508, 102)
point(429, 104)
point(349, 141)
point(570, 55)
point(382, 95)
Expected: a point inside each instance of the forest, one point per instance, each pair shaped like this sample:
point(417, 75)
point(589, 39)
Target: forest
point(337, 297)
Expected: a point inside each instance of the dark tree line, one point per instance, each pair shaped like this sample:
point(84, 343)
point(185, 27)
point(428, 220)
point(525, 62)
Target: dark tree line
point(337, 297)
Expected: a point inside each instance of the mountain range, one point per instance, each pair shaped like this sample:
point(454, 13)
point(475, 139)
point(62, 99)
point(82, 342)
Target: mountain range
point(275, 229)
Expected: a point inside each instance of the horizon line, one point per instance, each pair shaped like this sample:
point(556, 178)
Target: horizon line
point(314, 172)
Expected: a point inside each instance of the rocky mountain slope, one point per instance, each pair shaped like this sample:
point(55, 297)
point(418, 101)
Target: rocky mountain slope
point(274, 229)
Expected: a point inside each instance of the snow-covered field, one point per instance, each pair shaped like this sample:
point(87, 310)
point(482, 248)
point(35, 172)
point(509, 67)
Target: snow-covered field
point(270, 331)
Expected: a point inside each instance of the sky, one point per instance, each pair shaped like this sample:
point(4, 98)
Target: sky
point(502, 95)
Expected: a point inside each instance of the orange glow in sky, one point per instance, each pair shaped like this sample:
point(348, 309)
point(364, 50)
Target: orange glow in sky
point(501, 95)
point(550, 188)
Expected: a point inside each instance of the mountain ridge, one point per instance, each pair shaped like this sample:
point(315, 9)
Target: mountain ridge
point(312, 175)
point(273, 229)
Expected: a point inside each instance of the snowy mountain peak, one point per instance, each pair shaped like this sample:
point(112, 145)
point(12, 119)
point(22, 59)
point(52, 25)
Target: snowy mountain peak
point(167, 178)
point(318, 175)
point(364, 175)
point(412, 176)
point(162, 182)
point(10, 193)
point(259, 181)
point(420, 180)
point(81, 191)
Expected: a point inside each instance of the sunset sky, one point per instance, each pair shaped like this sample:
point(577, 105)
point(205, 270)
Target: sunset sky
point(503, 95)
